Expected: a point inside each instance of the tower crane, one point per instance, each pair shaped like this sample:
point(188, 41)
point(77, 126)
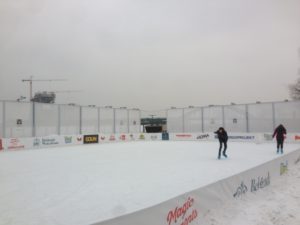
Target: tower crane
point(31, 80)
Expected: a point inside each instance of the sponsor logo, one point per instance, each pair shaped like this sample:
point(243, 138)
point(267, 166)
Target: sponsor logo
point(142, 137)
point(36, 142)
point(183, 135)
point(153, 137)
point(240, 137)
point(122, 137)
point(132, 137)
point(297, 137)
point(184, 214)
point(79, 139)
point(68, 139)
point(241, 190)
point(165, 136)
point(14, 143)
point(112, 138)
point(256, 184)
point(268, 137)
point(260, 183)
point(91, 139)
point(49, 141)
point(102, 138)
point(1, 146)
point(283, 167)
point(202, 136)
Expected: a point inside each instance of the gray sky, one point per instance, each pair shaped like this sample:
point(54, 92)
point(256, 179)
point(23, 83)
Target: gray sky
point(151, 54)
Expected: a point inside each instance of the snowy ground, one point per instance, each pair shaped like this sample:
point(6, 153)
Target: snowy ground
point(84, 184)
point(278, 204)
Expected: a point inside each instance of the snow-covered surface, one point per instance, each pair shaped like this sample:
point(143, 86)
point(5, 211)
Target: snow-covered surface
point(81, 185)
point(278, 204)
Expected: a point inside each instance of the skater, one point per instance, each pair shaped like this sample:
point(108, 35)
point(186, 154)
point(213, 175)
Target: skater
point(280, 133)
point(222, 136)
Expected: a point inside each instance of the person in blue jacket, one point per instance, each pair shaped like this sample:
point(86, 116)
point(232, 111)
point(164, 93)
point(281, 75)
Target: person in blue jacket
point(223, 137)
point(279, 133)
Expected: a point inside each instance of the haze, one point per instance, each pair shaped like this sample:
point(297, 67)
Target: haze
point(150, 54)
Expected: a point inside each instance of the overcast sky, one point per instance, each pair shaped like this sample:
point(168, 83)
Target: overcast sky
point(151, 54)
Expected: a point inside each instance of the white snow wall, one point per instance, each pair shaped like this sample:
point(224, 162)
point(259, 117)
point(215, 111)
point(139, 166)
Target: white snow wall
point(191, 207)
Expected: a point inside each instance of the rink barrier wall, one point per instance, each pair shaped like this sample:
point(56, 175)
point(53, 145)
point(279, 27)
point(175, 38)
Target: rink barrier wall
point(69, 140)
point(192, 207)
point(9, 144)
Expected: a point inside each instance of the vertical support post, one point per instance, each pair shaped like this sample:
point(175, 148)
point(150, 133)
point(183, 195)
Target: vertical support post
point(59, 120)
point(4, 120)
point(167, 112)
point(128, 130)
point(140, 122)
point(202, 119)
point(33, 119)
point(98, 110)
point(183, 125)
point(247, 118)
point(80, 119)
point(223, 117)
point(273, 116)
point(114, 122)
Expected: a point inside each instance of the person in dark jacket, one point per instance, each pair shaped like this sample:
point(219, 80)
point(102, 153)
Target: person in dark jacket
point(279, 133)
point(222, 136)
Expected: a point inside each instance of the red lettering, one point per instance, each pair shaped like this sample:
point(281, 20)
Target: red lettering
point(190, 218)
point(178, 212)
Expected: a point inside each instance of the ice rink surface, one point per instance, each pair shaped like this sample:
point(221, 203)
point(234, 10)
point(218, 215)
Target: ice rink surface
point(81, 185)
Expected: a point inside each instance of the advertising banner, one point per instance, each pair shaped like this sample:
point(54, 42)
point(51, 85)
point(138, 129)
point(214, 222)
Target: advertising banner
point(1, 144)
point(15, 143)
point(72, 140)
point(191, 136)
point(290, 137)
point(203, 136)
point(293, 137)
point(165, 136)
point(91, 139)
point(192, 207)
point(122, 137)
point(182, 137)
point(49, 141)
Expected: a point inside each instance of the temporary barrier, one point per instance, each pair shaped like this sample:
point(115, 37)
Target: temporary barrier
point(192, 207)
point(67, 140)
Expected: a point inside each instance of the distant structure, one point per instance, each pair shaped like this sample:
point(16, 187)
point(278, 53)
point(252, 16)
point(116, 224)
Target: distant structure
point(154, 125)
point(44, 97)
point(31, 80)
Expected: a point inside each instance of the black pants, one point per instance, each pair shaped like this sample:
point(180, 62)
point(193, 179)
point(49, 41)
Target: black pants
point(280, 143)
point(221, 145)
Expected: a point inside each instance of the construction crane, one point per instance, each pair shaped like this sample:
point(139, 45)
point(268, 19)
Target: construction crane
point(66, 91)
point(31, 80)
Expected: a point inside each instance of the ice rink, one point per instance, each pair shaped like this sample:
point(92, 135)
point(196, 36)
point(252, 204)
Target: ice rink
point(84, 184)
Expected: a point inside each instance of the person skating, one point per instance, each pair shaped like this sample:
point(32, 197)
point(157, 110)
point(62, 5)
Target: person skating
point(279, 133)
point(223, 137)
